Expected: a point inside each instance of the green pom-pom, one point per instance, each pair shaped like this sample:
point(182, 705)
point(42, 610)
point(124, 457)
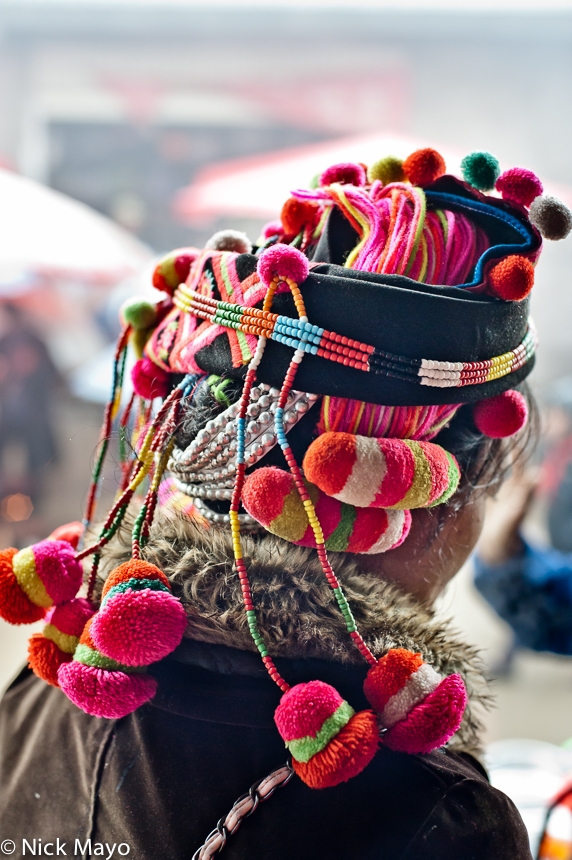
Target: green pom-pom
point(315, 181)
point(388, 169)
point(139, 313)
point(481, 170)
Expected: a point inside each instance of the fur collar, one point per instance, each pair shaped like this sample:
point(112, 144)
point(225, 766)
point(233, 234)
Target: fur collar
point(297, 611)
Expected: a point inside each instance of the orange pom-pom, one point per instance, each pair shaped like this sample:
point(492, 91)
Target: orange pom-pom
point(15, 606)
point(512, 279)
point(296, 214)
point(424, 166)
point(45, 658)
point(136, 568)
point(346, 755)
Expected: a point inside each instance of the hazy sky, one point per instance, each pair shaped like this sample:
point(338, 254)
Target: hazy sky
point(500, 5)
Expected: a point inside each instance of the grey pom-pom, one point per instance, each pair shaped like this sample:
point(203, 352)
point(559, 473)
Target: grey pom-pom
point(230, 240)
point(551, 217)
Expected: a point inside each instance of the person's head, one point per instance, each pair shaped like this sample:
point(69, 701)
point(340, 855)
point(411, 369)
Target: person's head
point(347, 386)
point(441, 234)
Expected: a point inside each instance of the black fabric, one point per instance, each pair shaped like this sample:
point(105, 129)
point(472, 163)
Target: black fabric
point(404, 317)
point(159, 779)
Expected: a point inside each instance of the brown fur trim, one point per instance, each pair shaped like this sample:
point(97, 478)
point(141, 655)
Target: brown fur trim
point(296, 609)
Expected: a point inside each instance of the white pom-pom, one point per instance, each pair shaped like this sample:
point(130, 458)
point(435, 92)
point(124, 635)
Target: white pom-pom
point(230, 240)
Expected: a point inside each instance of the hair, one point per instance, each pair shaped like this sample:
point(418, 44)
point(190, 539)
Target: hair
point(485, 463)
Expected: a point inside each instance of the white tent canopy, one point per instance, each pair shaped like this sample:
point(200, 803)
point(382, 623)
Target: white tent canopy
point(45, 233)
point(256, 187)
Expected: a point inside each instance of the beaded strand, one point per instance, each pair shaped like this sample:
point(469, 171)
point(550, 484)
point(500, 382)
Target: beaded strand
point(300, 485)
point(235, 523)
point(112, 405)
point(162, 425)
point(301, 334)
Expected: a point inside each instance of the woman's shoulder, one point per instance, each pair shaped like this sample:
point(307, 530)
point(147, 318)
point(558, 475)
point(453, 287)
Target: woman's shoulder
point(189, 767)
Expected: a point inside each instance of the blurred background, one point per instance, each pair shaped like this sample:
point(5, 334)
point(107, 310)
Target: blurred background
point(162, 122)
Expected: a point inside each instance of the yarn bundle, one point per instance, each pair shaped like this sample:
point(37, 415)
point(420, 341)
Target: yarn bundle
point(271, 497)
point(381, 473)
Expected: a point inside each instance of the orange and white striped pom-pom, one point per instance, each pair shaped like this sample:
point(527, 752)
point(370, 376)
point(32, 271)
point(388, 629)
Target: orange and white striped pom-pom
point(418, 708)
point(381, 473)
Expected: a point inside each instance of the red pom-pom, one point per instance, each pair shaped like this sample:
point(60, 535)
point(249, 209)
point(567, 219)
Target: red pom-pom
point(296, 214)
point(273, 228)
point(389, 675)
point(71, 532)
point(418, 708)
point(15, 606)
point(500, 416)
point(519, 185)
point(304, 709)
point(149, 380)
point(173, 269)
point(432, 722)
point(45, 658)
point(138, 627)
point(284, 261)
point(103, 693)
point(512, 279)
point(71, 617)
point(346, 755)
point(424, 166)
point(346, 173)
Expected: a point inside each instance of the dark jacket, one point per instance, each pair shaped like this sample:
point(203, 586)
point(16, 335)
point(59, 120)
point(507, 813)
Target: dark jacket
point(158, 780)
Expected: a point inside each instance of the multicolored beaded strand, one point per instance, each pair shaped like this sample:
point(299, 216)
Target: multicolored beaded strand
point(301, 334)
point(300, 485)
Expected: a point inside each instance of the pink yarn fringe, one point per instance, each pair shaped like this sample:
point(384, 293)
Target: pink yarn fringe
point(399, 237)
point(393, 422)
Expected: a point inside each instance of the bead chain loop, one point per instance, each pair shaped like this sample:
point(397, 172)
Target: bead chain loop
point(300, 485)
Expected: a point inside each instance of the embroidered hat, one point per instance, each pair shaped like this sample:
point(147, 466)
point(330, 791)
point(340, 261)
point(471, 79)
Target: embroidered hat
point(302, 382)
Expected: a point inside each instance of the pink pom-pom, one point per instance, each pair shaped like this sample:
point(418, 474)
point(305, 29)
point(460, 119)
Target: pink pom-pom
point(139, 627)
point(284, 261)
point(433, 722)
point(501, 416)
point(149, 380)
point(519, 185)
point(273, 228)
point(304, 708)
point(105, 694)
point(71, 617)
point(58, 569)
point(347, 173)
